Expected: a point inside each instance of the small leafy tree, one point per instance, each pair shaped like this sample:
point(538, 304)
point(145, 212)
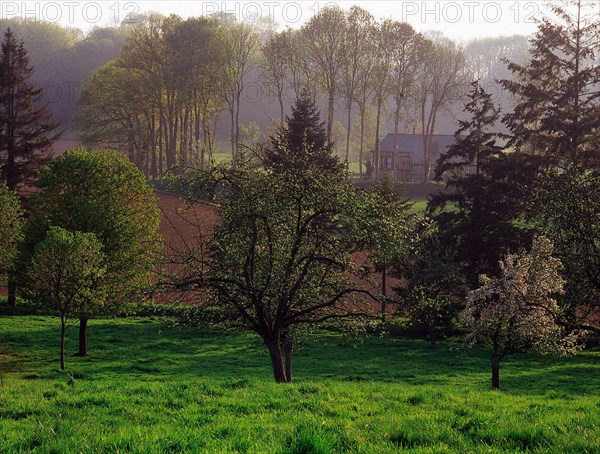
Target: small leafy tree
point(65, 273)
point(434, 285)
point(515, 312)
point(387, 229)
point(105, 194)
point(11, 224)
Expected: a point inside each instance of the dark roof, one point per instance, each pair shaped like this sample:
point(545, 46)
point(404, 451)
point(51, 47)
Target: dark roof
point(413, 144)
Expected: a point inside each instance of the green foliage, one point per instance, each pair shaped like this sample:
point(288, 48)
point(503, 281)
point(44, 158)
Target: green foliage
point(434, 286)
point(66, 271)
point(303, 142)
point(153, 387)
point(65, 275)
point(11, 226)
point(557, 100)
point(105, 194)
point(279, 262)
point(571, 219)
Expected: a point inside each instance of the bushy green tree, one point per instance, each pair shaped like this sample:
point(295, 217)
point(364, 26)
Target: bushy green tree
point(281, 257)
point(434, 285)
point(571, 219)
point(105, 194)
point(11, 224)
point(388, 229)
point(65, 275)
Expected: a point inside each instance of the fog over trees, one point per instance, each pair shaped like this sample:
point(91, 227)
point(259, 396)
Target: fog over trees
point(187, 86)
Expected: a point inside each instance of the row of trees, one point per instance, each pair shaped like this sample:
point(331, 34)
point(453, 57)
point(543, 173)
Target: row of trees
point(174, 76)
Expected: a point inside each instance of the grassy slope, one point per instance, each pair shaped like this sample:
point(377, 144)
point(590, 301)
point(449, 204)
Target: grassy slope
point(151, 387)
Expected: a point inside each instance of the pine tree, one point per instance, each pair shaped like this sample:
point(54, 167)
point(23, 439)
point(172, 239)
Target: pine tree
point(481, 189)
point(556, 126)
point(558, 100)
point(303, 142)
point(26, 129)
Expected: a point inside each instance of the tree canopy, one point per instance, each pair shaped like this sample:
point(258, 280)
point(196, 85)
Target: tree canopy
point(105, 194)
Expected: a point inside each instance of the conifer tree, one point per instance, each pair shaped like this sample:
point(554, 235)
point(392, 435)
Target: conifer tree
point(557, 98)
point(27, 131)
point(303, 142)
point(481, 190)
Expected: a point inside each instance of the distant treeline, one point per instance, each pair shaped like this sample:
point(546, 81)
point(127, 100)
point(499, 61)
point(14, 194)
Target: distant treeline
point(254, 79)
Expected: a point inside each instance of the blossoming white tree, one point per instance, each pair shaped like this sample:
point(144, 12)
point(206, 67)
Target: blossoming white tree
point(515, 312)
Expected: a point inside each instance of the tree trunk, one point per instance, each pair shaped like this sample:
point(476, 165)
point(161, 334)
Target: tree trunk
point(62, 342)
point(362, 141)
point(383, 292)
point(277, 361)
point(287, 349)
point(349, 126)
point(281, 108)
point(233, 148)
point(82, 337)
point(11, 300)
point(432, 336)
point(495, 372)
point(376, 149)
point(330, 112)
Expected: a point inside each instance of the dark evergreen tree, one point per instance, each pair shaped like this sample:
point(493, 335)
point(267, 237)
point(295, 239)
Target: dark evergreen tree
point(26, 131)
point(557, 97)
point(481, 189)
point(556, 127)
point(303, 142)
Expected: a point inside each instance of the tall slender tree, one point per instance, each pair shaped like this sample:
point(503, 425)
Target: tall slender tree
point(357, 47)
point(27, 130)
point(26, 127)
point(443, 80)
point(557, 91)
point(323, 42)
point(241, 46)
point(480, 225)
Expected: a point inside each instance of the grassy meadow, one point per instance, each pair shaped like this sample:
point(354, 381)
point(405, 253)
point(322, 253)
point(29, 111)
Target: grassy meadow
point(150, 386)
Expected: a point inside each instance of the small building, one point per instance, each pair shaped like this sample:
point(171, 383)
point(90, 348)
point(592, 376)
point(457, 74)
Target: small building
point(406, 163)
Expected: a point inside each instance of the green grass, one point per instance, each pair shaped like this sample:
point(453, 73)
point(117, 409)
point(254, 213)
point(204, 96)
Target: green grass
point(147, 386)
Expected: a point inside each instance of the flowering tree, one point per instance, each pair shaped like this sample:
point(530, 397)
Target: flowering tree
point(516, 312)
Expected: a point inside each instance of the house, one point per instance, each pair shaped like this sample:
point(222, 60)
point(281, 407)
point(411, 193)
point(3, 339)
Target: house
point(406, 163)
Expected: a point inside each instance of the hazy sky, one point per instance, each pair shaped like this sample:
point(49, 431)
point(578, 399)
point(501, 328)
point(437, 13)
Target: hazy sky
point(460, 20)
